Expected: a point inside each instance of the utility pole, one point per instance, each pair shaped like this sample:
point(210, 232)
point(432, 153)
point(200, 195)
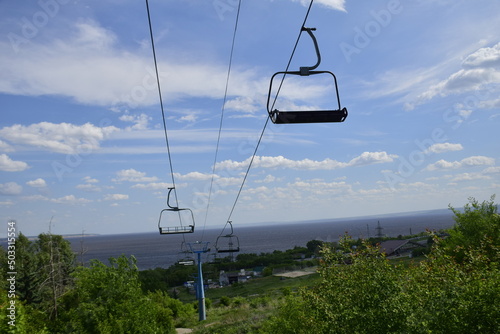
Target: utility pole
point(379, 230)
point(200, 248)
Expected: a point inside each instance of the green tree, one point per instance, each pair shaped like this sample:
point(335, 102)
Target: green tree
point(109, 299)
point(362, 292)
point(55, 261)
point(477, 223)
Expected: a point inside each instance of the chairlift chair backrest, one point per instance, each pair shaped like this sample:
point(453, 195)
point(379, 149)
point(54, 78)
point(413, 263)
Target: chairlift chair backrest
point(311, 116)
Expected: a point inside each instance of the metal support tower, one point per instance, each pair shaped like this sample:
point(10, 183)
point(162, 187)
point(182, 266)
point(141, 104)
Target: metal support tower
point(200, 248)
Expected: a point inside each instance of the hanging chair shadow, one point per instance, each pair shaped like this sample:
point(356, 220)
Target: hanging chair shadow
point(175, 220)
point(228, 243)
point(337, 114)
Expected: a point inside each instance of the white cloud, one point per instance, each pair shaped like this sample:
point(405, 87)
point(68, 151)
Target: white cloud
point(89, 179)
point(188, 118)
point(70, 199)
point(132, 175)
point(4, 147)
point(153, 186)
point(92, 54)
point(332, 4)
point(470, 177)
point(194, 176)
point(60, 138)
point(467, 162)
point(88, 187)
point(366, 158)
point(115, 197)
point(369, 158)
point(484, 57)
point(10, 188)
point(9, 165)
point(480, 69)
point(38, 183)
point(140, 121)
point(492, 170)
point(444, 147)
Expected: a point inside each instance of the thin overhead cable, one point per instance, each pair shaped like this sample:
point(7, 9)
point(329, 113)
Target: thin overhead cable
point(161, 103)
point(222, 116)
point(267, 118)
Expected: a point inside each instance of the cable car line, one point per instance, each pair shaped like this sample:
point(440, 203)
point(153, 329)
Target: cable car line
point(175, 210)
point(267, 118)
point(221, 117)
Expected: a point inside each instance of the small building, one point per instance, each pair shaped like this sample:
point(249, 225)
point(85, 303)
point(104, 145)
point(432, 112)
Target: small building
point(232, 277)
point(398, 247)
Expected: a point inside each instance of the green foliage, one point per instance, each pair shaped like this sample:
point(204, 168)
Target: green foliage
point(225, 301)
point(477, 222)
point(314, 246)
point(109, 299)
point(454, 291)
point(44, 268)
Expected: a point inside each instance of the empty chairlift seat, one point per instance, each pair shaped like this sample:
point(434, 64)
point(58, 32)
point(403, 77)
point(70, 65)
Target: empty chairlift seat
point(228, 243)
point(175, 220)
point(334, 115)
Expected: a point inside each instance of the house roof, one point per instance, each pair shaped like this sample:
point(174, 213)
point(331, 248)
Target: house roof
point(390, 246)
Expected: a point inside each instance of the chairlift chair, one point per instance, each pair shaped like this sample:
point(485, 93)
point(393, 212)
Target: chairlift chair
point(185, 256)
point(310, 116)
point(175, 220)
point(228, 243)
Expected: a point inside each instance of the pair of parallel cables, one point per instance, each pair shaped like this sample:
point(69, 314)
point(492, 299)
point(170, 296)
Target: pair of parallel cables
point(221, 118)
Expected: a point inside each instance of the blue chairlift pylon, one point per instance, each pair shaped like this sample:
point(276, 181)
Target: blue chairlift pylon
point(175, 220)
point(308, 116)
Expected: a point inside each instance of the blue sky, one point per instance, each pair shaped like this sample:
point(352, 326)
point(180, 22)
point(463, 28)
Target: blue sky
point(81, 137)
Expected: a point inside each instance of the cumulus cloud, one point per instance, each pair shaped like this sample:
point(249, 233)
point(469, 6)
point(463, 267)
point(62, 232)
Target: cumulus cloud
point(132, 175)
point(194, 176)
point(140, 121)
point(484, 57)
point(115, 197)
point(467, 162)
point(479, 70)
point(70, 199)
point(9, 165)
point(89, 179)
point(4, 147)
point(60, 138)
point(10, 188)
point(153, 186)
point(366, 158)
point(38, 183)
point(444, 147)
point(470, 177)
point(331, 4)
point(492, 170)
point(88, 187)
point(89, 50)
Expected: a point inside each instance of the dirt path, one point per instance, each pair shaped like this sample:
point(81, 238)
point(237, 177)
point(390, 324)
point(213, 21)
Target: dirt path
point(298, 273)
